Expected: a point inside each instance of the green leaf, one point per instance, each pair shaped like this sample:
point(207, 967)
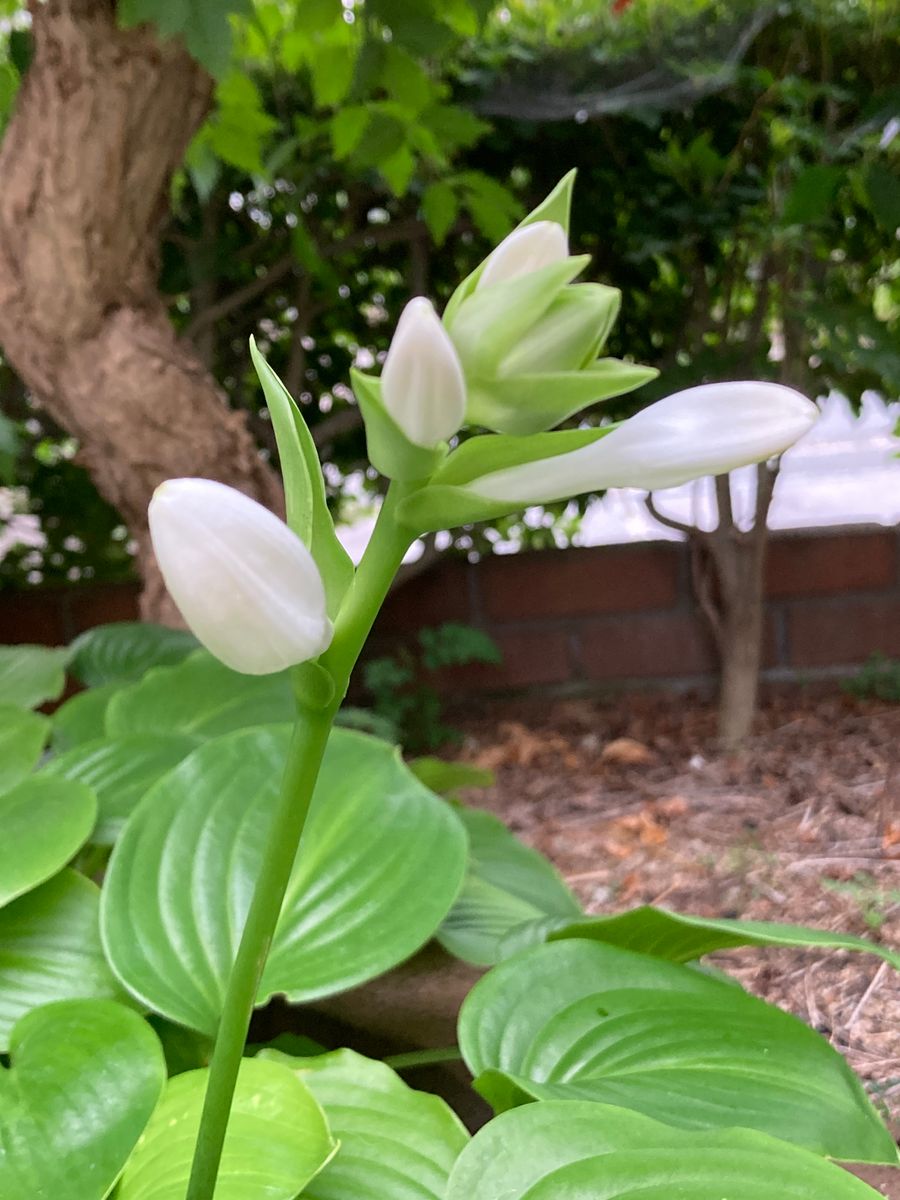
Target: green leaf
point(683, 938)
point(404, 79)
point(397, 170)
point(394, 1142)
point(307, 506)
point(584, 1151)
point(124, 651)
point(347, 128)
point(83, 717)
point(413, 26)
point(390, 450)
point(445, 777)
point(84, 1080)
point(201, 698)
point(31, 675)
point(883, 193)
point(22, 738)
point(240, 127)
point(44, 822)
point(119, 771)
point(50, 949)
point(811, 197)
point(205, 25)
point(381, 863)
point(277, 1139)
point(439, 208)
point(586, 1021)
point(507, 884)
point(526, 404)
point(331, 73)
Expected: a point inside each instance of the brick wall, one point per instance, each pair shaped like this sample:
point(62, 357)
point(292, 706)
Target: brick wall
point(610, 614)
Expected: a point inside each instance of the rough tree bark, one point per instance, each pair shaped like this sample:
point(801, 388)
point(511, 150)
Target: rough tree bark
point(102, 122)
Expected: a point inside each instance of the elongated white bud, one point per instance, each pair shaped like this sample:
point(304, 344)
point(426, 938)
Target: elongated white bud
point(525, 250)
point(422, 384)
point(706, 430)
point(243, 581)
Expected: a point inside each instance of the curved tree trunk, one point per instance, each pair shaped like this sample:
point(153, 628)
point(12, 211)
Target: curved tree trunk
point(102, 122)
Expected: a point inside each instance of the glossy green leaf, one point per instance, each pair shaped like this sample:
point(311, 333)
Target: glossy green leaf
point(31, 675)
point(307, 506)
point(582, 1020)
point(507, 884)
point(581, 1151)
point(84, 1079)
point(381, 863)
point(203, 24)
point(22, 738)
point(82, 718)
point(119, 771)
point(394, 1143)
point(277, 1139)
point(199, 698)
point(446, 777)
point(682, 938)
point(50, 949)
point(390, 450)
point(44, 822)
point(123, 651)
point(439, 208)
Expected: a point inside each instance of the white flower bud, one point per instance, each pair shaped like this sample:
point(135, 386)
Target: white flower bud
point(422, 384)
point(525, 250)
point(244, 582)
point(706, 430)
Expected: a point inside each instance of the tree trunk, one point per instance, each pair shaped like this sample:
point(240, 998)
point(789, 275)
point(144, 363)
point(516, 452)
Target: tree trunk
point(101, 124)
point(741, 648)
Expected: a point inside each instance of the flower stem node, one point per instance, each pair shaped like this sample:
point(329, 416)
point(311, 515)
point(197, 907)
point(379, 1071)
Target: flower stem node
point(245, 584)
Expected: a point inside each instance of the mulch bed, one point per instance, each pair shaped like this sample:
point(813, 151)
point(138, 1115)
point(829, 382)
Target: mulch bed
point(630, 799)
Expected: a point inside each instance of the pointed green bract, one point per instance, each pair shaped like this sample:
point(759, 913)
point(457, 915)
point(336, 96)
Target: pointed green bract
point(304, 486)
point(582, 1020)
point(85, 1077)
point(394, 1143)
point(390, 450)
point(277, 1139)
point(589, 1151)
point(381, 863)
point(44, 821)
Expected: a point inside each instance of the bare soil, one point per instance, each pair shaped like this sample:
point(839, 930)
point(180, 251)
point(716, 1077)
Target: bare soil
point(630, 799)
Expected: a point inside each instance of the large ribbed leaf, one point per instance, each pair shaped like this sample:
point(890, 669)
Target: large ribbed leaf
point(43, 822)
point(82, 718)
point(84, 1080)
point(380, 865)
point(277, 1139)
point(395, 1143)
point(581, 1151)
point(583, 1020)
point(22, 738)
point(507, 884)
point(29, 675)
point(50, 949)
point(120, 771)
point(123, 651)
point(201, 698)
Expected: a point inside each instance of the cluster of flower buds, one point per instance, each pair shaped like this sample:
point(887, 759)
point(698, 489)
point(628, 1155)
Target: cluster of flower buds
point(518, 352)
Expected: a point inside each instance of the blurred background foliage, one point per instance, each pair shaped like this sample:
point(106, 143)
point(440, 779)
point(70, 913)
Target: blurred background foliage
point(739, 180)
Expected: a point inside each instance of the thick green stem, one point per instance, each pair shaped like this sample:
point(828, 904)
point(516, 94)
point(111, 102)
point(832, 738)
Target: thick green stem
point(358, 611)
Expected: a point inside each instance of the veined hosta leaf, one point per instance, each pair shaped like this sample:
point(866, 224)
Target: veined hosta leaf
point(583, 1020)
point(507, 884)
point(679, 937)
point(123, 651)
point(584, 1151)
point(119, 771)
point(381, 863)
point(277, 1139)
point(394, 1143)
point(82, 718)
point(43, 822)
point(50, 949)
point(200, 698)
point(84, 1080)
point(22, 738)
point(29, 675)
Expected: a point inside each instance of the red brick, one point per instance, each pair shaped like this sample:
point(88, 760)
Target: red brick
point(653, 645)
point(32, 616)
point(531, 658)
point(819, 564)
point(578, 582)
point(100, 605)
point(837, 632)
point(435, 596)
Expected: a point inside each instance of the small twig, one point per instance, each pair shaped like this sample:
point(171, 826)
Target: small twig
point(866, 996)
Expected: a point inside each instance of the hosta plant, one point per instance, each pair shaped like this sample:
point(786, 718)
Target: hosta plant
point(194, 834)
